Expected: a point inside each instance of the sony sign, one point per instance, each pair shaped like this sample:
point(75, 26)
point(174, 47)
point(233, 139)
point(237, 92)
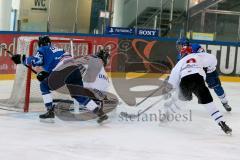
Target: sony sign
point(147, 32)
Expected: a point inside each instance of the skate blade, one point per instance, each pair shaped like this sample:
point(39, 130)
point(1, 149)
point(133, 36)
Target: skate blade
point(104, 121)
point(229, 133)
point(47, 120)
point(228, 109)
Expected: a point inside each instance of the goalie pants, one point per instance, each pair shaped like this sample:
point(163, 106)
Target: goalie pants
point(194, 84)
point(58, 79)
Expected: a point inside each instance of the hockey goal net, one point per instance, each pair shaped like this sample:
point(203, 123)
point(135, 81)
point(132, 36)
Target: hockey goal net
point(25, 93)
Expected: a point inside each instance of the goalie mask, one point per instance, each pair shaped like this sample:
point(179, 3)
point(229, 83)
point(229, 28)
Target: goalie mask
point(104, 55)
point(44, 41)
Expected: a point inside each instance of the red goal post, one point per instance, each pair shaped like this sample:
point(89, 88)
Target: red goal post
point(25, 89)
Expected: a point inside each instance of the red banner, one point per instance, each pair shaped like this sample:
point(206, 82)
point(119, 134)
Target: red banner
point(9, 41)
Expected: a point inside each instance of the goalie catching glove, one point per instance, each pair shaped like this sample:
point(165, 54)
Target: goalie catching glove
point(42, 75)
point(18, 59)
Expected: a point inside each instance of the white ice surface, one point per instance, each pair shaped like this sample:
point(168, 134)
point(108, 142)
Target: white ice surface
point(23, 137)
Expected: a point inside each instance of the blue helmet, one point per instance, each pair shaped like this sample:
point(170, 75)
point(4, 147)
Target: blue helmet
point(197, 48)
point(183, 41)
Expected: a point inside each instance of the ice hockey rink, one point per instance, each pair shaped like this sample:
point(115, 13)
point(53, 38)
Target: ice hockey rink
point(24, 137)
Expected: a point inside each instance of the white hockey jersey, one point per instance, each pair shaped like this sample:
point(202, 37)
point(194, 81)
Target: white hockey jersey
point(92, 69)
point(209, 60)
point(95, 75)
point(191, 64)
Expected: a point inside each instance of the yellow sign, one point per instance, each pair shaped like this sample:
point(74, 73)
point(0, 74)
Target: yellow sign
point(201, 36)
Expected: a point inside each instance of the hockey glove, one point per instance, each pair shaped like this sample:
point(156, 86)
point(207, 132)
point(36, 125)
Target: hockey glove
point(18, 59)
point(167, 91)
point(42, 75)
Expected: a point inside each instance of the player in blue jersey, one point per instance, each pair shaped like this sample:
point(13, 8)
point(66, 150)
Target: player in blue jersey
point(212, 77)
point(48, 58)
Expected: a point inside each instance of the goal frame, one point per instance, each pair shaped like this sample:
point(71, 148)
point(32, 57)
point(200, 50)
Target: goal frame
point(29, 72)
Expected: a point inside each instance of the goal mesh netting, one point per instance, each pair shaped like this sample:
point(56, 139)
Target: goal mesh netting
point(25, 90)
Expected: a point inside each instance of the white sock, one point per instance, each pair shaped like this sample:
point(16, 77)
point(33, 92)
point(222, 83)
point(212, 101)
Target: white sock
point(223, 99)
point(214, 112)
point(47, 98)
point(171, 106)
point(91, 105)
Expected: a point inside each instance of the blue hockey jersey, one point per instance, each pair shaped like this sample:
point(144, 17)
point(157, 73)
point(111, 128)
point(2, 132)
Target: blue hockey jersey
point(47, 57)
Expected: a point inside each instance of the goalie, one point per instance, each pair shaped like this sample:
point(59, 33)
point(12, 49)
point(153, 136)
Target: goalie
point(48, 58)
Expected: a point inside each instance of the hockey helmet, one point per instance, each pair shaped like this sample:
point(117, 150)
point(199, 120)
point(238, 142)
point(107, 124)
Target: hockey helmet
point(183, 41)
point(44, 41)
point(104, 55)
point(185, 51)
point(196, 48)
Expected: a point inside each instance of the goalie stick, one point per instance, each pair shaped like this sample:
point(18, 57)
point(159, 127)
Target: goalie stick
point(65, 112)
point(11, 54)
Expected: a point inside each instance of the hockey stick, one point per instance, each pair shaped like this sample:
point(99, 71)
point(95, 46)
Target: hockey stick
point(125, 114)
point(147, 97)
point(11, 54)
point(165, 80)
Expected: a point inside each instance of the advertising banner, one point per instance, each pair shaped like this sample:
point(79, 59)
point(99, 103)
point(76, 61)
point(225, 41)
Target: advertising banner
point(147, 32)
point(9, 41)
point(152, 56)
point(132, 31)
point(163, 52)
point(135, 54)
point(228, 57)
point(120, 31)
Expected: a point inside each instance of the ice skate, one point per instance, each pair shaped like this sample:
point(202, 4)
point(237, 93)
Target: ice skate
point(48, 116)
point(227, 107)
point(225, 128)
point(101, 115)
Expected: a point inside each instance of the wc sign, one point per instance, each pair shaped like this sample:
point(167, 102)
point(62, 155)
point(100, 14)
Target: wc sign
point(39, 5)
point(147, 32)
